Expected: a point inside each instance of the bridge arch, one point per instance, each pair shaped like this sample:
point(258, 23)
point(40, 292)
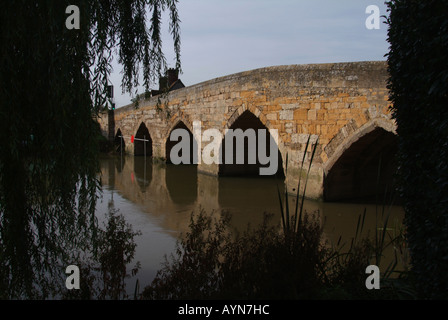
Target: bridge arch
point(263, 119)
point(362, 167)
point(180, 124)
point(140, 146)
point(119, 142)
point(249, 118)
point(252, 109)
point(147, 122)
point(174, 121)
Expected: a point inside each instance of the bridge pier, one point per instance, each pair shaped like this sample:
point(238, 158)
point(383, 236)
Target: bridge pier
point(208, 169)
point(314, 185)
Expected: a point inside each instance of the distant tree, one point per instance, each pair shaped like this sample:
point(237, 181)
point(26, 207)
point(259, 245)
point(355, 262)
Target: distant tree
point(418, 84)
point(52, 84)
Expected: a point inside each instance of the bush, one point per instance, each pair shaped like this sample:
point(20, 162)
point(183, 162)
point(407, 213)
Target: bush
point(262, 263)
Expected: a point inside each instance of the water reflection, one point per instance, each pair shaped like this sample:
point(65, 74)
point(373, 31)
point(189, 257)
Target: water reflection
point(182, 183)
point(142, 172)
point(159, 198)
point(248, 198)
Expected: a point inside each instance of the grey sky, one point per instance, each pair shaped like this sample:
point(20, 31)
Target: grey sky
point(221, 37)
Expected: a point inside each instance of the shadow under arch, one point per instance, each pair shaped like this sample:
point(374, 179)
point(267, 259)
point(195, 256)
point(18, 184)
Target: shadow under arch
point(364, 172)
point(229, 167)
point(141, 146)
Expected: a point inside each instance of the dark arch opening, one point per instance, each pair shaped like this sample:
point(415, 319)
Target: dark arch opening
point(365, 171)
point(170, 144)
point(230, 167)
point(141, 146)
point(119, 143)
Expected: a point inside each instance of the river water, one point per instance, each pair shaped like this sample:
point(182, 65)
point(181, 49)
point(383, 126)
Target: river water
point(158, 199)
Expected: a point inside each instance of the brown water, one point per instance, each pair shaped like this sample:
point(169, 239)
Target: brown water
point(158, 199)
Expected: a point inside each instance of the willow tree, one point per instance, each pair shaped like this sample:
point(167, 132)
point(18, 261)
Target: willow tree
point(53, 83)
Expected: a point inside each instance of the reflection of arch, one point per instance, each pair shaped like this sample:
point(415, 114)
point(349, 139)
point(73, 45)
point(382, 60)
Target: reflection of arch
point(120, 161)
point(182, 183)
point(170, 144)
point(119, 142)
point(245, 119)
point(143, 172)
point(363, 165)
point(141, 146)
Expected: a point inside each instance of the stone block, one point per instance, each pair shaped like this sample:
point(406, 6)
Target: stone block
point(247, 94)
point(286, 115)
point(295, 138)
point(320, 115)
point(324, 157)
point(289, 106)
point(312, 114)
point(300, 114)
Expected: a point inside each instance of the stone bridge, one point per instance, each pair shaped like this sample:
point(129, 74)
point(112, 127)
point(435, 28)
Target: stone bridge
point(343, 107)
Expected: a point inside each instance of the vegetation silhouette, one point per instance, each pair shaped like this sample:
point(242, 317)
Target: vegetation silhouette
point(53, 85)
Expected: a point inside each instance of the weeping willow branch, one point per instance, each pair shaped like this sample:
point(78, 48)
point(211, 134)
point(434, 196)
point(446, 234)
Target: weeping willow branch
point(52, 83)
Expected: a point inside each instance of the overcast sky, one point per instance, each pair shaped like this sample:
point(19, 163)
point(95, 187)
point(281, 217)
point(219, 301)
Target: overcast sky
point(221, 37)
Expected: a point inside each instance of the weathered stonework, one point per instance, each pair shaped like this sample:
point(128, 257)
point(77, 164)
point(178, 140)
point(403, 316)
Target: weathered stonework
point(337, 103)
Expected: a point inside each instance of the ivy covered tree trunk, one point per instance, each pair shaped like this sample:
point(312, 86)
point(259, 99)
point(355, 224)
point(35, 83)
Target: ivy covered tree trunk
point(418, 84)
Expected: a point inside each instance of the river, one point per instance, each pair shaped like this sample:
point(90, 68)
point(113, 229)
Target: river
point(157, 199)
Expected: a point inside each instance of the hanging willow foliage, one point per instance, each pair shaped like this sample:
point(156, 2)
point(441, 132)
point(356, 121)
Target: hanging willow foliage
point(53, 82)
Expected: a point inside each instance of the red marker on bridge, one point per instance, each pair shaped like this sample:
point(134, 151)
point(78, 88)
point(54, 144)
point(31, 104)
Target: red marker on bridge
point(132, 139)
